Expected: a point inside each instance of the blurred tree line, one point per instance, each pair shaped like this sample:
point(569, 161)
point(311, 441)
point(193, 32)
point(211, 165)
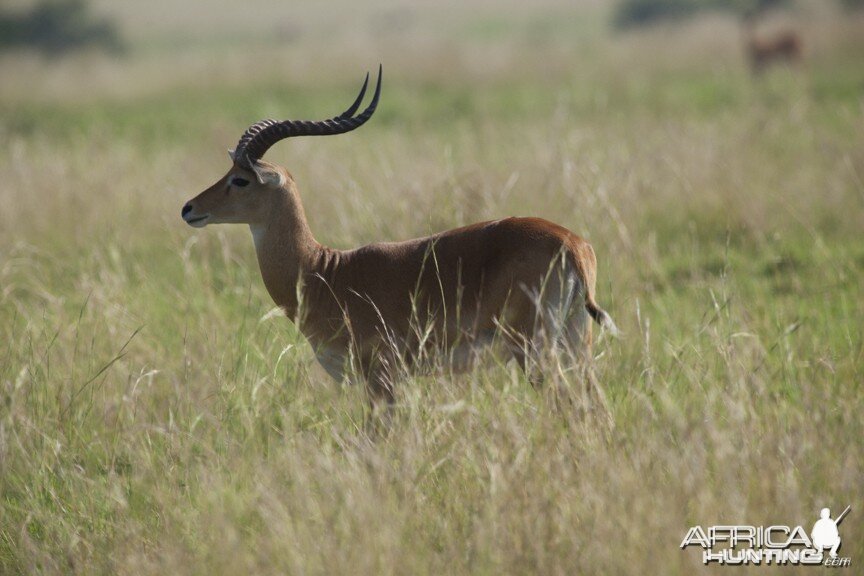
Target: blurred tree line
point(635, 12)
point(56, 26)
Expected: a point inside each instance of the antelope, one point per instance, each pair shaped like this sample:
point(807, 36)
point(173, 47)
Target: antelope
point(783, 46)
point(378, 307)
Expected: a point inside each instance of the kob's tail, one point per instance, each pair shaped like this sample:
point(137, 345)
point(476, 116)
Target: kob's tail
point(601, 317)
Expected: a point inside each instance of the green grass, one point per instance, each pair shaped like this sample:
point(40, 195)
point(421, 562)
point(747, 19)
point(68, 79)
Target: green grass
point(154, 418)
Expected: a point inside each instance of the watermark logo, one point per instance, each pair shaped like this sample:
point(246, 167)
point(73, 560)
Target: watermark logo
point(825, 533)
point(777, 544)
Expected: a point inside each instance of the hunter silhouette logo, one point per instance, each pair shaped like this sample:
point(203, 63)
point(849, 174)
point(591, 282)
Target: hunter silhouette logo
point(825, 533)
point(776, 544)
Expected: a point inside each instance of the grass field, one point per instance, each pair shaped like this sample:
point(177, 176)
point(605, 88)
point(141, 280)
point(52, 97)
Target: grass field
point(155, 418)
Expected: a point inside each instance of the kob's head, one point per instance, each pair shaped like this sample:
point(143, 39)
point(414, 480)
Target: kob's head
point(244, 195)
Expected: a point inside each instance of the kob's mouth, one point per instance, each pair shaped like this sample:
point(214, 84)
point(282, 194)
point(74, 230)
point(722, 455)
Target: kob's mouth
point(196, 221)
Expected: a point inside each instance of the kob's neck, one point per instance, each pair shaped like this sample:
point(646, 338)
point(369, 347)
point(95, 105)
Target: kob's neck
point(286, 249)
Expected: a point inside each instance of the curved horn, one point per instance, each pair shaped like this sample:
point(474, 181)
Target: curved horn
point(350, 111)
point(259, 137)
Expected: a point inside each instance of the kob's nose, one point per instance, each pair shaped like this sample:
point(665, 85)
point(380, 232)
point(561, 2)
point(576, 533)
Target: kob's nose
point(186, 209)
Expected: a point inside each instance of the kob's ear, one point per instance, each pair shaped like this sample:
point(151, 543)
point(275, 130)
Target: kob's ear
point(268, 174)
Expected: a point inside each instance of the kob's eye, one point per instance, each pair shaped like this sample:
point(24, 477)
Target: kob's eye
point(240, 182)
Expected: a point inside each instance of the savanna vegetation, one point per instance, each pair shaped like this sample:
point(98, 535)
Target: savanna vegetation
point(55, 27)
point(157, 416)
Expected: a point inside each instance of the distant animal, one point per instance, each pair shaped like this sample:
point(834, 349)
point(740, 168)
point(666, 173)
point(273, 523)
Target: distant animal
point(378, 309)
point(782, 47)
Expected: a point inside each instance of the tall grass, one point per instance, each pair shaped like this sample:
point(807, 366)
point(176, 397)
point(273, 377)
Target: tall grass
point(155, 418)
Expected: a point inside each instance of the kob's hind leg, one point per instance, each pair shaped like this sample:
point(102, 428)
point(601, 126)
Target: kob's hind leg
point(527, 359)
point(534, 340)
point(577, 340)
point(578, 335)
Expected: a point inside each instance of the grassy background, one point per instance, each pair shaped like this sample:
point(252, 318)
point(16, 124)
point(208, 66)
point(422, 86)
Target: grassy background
point(154, 418)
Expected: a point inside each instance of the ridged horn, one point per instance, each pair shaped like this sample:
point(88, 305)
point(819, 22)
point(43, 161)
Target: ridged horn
point(259, 137)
